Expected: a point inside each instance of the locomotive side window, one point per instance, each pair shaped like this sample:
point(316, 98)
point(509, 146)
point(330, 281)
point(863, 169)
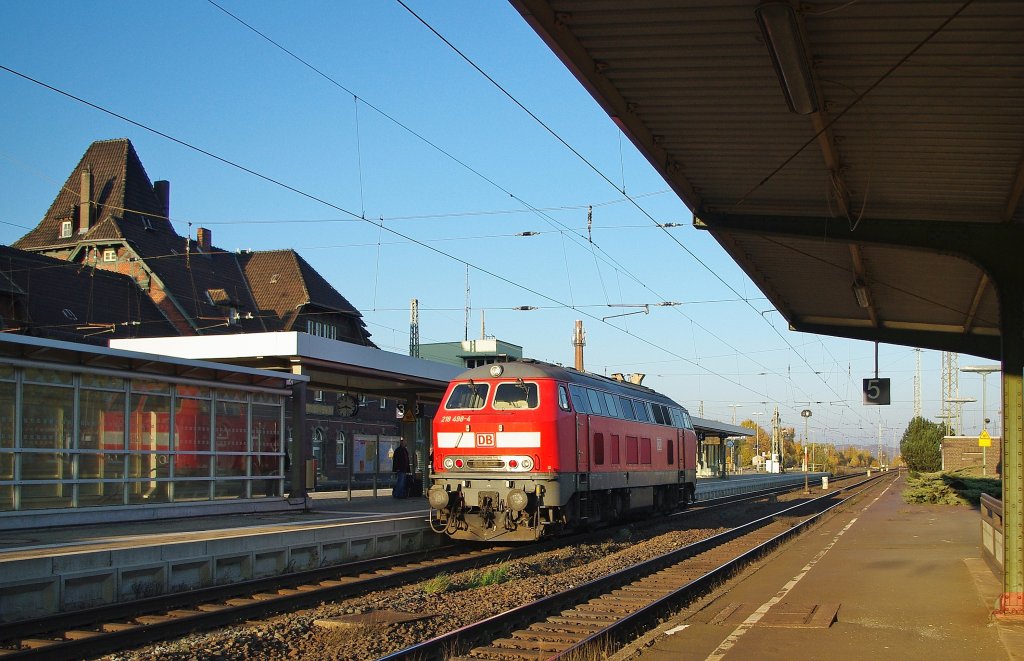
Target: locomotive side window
point(563, 397)
point(599, 449)
point(670, 454)
point(579, 399)
point(611, 402)
point(645, 450)
point(614, 449)
point(677, 418)
point(595, 400)
point(517, 395)
point(468, 396)
point(626, 406)
point(641, 411)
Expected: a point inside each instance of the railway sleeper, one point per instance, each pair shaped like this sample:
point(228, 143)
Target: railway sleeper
point(503, 654)
point(80, 634)
point(114, 627)
point(531, 644)
point(547, 636)
point(576, 628)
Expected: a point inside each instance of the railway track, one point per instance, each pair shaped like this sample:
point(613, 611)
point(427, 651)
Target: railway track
point(617, 606)
point(121, 626)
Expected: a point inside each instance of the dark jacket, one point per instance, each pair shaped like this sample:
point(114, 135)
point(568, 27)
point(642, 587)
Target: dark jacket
point(400, 460)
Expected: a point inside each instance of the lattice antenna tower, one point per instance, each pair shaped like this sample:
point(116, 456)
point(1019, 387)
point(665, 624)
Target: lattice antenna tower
point(917, 384)
point(465, 334)
point(414, 328)
point(951, 391)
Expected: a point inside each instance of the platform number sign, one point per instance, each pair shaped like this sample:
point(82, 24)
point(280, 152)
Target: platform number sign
point(876, 391)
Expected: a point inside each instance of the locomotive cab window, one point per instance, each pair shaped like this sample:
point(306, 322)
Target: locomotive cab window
point(515, 395)
point(468, 396)
point(563, 397)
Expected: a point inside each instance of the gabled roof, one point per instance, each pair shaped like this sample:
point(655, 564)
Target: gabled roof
point(121, 190)
point(284, 285)
point(128, 211)
point(64, 300)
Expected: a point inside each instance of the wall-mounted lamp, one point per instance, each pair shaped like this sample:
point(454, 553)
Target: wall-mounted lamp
point(784, 38)
point(861, 293)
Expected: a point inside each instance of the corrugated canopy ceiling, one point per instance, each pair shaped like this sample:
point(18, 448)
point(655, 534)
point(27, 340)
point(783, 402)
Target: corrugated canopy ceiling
point(885, 215)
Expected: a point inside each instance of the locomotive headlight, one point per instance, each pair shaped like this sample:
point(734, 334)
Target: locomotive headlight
point(527, 463)
point(448, 463)
point(517, 500)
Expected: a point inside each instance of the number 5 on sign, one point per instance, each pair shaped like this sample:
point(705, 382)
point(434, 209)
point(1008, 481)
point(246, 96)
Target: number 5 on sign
point(876, 391)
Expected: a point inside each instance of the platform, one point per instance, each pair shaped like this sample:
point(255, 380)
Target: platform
point(903, 581)
point(50, 570)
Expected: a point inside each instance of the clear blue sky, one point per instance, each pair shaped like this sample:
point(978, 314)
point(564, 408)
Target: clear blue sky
point(395, 128)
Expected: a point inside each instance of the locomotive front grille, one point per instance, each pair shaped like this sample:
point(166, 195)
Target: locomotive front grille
point(485, 463)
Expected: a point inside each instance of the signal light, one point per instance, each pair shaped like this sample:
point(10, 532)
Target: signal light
point(512, 463)
point(458, 463)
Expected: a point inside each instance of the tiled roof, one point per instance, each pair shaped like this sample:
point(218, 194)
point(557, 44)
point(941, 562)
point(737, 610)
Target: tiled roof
point(121, 189)
point(284, 284)
point(64, 300)
point(129, 212)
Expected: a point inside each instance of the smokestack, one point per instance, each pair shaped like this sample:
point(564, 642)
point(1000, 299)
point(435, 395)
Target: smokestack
point(85, 202)
point(162, 190)
point(204, 238)
point(578, 340)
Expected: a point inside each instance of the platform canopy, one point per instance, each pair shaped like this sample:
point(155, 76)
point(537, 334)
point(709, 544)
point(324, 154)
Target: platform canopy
point(329, 364)
point(894, 183)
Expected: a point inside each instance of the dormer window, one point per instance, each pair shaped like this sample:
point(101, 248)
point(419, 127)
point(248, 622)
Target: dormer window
point(109, 255)
point(218, 297)
point(65, 229)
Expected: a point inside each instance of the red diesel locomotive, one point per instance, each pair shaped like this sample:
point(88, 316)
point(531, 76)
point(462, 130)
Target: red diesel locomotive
point(523, 449)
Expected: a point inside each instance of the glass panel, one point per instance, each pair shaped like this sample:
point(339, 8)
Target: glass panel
point(149, 423)
point(101, 420)
point(47, 417)
point(191, 490)
point(233, 395)
point(101, 493)
point(229, 489)
point(43, 496)
point(658, 412)
point(100, 466)
point(579, 399)
point(48, 376)
point(266, 398)
point(266, 488)
point(266, 428)
point(517, 395)
point(188, 390)
point(640, 408)
point(6, 497)
point(46, 466)
point(611, 403)
point(6, 465)
point(626, 406)
point(102, 381)
point(192, 437)
point(231, 438)
point(563, 398)
point(595, 398)
point(7, 372)
point(468, 396)
point(386, 448)
point(7, 415)
point(141, 385)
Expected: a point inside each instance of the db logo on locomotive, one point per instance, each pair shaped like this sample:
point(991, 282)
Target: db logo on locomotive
point(485, 440)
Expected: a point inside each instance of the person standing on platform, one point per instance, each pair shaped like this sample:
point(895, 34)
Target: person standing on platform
point(401, 467)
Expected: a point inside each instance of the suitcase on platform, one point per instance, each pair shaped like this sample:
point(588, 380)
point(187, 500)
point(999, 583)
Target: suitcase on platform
point(415, 487)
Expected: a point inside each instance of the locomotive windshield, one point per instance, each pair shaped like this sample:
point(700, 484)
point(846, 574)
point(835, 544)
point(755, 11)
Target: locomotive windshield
point(518, 395)
point(468, 396)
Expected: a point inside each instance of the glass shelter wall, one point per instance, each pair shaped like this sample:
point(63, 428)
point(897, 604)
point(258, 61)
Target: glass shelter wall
point(72, 439)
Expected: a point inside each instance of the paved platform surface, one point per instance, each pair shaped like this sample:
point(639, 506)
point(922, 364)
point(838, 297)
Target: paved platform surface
point(905, 582)
point(327, 508)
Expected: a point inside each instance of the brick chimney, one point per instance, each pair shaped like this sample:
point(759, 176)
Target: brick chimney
point(204, 238)
point(85, 202)
point(162, 190)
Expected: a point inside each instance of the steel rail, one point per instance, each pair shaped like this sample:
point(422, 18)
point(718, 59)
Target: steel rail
point(447, 645)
